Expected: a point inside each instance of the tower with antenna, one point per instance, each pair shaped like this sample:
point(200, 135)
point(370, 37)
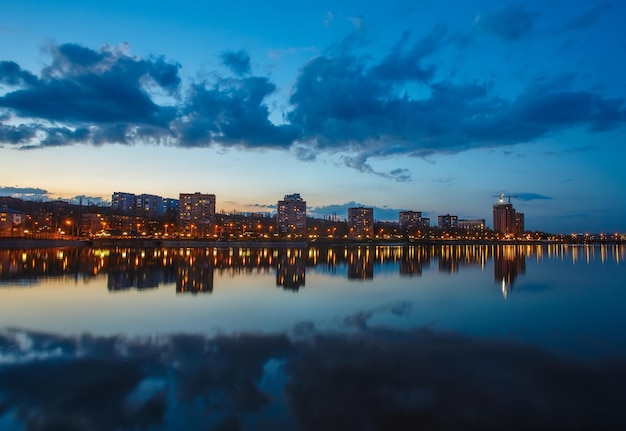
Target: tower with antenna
point(506, 220)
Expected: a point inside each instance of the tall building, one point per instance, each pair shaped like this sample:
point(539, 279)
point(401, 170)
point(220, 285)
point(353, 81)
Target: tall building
point(412, 221)
point(447, 221)
point(149, 205)
point(361, 222)
point(505, 220)
point(124, 202)
point(291, 215)
point(196, 212)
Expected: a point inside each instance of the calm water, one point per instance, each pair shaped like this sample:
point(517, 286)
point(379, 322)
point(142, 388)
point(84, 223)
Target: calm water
point(369, 337)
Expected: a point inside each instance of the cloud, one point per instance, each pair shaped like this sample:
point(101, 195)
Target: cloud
point(530, 196)
point(587, 18)
point(237, 61)
point(105, 86)
point(356, 107)
point(23, 192)
point(511, 22)
point(11, 74)
point(231, 112)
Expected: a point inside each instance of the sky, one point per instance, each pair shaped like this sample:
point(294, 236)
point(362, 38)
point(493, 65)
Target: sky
point(432, 106)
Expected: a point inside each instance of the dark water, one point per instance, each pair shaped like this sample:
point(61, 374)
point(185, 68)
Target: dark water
point(346, 338)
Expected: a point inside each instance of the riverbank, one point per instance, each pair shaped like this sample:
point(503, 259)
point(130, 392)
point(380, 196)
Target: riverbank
point(12, 243)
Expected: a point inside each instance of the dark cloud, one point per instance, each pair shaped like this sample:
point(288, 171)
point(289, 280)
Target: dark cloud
point(511, 22)
point(23, 192)
point(404, 65)
point(531, 196)
point(359, 107)
point(369, 378)
point(587, 18)
point(232, 112)
point(237, 61)
point(11, 74)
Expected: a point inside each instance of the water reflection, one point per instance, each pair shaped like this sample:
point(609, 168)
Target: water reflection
point(372, 380)
point(193, 269)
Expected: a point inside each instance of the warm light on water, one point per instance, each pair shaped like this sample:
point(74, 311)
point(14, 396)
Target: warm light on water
point(485, 311)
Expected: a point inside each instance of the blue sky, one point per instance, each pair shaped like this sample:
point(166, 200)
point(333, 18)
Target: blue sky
point(434, 106)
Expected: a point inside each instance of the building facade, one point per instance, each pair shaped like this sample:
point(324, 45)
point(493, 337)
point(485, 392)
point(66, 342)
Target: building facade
point(291, 216)
point(149, 205)
point(10, 221)
point(196, 212)
point(412, 221)
point(361, 222)
point(506, 220)
point(447, 221)
point(478, 224)
point(124, 202)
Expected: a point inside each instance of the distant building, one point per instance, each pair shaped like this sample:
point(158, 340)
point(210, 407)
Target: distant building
point(412, 221)
point(291, 215)
point(149, 205)
point(91, 224)
point(519, 223)
point(361, 222)
point(447, 222)
point(170, 204)
point(124, 202)
point(506, 220)
point(10, 221)
point(196, 212)
point(478, 224)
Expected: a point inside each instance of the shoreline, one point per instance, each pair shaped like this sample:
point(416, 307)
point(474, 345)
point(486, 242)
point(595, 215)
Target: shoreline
point(12, 243)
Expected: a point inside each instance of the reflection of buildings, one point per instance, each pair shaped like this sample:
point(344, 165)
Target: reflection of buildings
point(195, 269)
point(194, 277)
point(449, 259)
point(509, 262)
point(290, 269)
point(291, 215)
point(414, 259)
point(360, 263)
point(361, 222)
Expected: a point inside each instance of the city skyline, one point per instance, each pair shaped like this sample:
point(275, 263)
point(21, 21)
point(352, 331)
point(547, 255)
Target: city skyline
point(434, 107)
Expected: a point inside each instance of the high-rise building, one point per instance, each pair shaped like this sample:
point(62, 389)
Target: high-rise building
point(124, 202)
point(361, 222)
point(196, 212)
point(447, 221)
point(149, 205)
point(412, 221)
point(505, 220)
point(291, 215)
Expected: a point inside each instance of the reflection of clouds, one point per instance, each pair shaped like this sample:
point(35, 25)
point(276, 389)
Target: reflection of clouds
point(374, 379)
point(360, 320)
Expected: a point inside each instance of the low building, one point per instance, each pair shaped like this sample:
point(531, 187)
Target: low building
point(478, 224)
point(11, 222)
